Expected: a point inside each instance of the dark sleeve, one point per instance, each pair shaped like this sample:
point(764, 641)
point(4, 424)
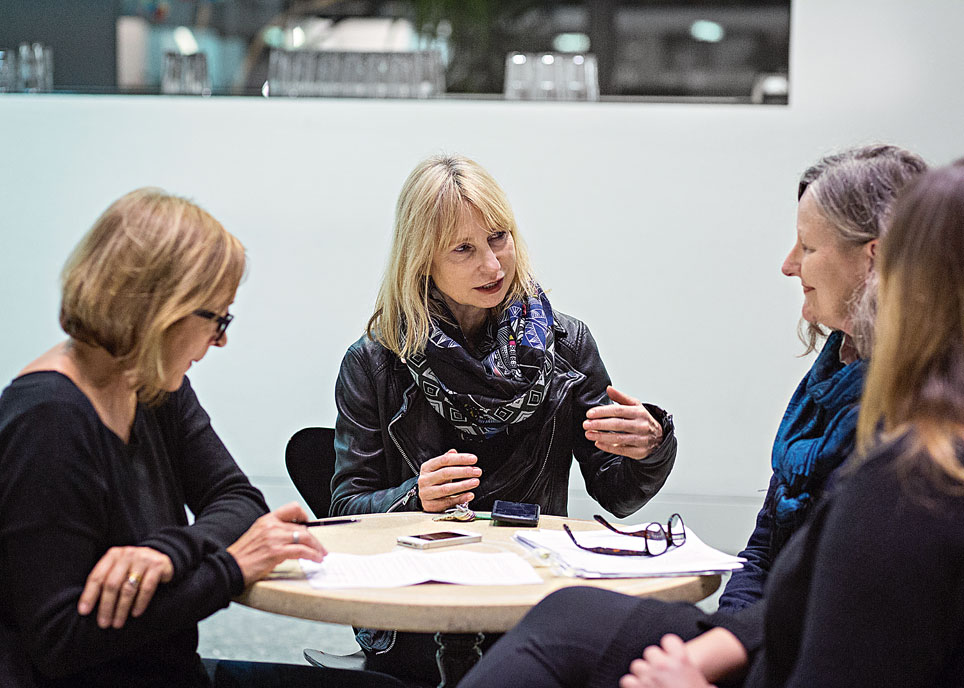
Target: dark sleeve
point(362, 482)
point(886, 601)
point(222, 499)
point(745, 586)
point(55, 514)
point(621, 485)
point(746, 624)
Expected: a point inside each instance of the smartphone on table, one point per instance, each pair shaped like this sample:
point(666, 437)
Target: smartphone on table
point(439, 539)
point(518, 514)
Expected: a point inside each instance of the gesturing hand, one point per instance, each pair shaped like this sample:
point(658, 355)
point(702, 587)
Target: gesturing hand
point(443, 481)
point(124, 581)
point(664, 666)
point(272, 539)
point(625, 427)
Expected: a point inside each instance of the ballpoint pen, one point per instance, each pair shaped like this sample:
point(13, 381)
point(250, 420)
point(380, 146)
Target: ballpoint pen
point(326, 522)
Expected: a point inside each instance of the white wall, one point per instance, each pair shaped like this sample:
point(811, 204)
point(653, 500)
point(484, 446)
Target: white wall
point(662, 226)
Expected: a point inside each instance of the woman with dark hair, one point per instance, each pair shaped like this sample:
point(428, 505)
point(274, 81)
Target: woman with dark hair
point(870, 593)
point(587, 636)
point(102, 446)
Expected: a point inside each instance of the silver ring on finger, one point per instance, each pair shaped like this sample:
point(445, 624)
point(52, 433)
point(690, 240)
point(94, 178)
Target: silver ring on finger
point(295, 536)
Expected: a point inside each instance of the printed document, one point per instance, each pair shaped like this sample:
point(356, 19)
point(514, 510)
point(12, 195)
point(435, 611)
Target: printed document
point(399, 568)
point(694, 556)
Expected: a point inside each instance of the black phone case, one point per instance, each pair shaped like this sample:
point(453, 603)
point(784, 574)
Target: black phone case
point(500, 517)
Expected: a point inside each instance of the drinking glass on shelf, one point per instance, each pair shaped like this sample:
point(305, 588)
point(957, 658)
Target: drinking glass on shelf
point(355, 74)
point(35, 68)
point(430, 74)
point(279, 67)
point(8, 71)
point(518, 76)
point(401, 75)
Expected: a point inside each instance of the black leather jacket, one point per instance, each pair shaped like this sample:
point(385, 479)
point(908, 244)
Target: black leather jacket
point(386, 430)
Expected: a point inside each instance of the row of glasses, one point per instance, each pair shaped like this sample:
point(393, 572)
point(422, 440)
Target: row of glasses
point(185, 75)
point(415, 74)
point(551, 76)
point(28, 70)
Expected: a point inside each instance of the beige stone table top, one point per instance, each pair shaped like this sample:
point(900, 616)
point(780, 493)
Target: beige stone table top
point(440, 607)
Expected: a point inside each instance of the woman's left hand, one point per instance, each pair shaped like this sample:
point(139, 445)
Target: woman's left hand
point(124, 581)
point(625, 427)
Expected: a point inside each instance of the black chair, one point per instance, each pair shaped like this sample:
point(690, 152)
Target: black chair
point(310, 460)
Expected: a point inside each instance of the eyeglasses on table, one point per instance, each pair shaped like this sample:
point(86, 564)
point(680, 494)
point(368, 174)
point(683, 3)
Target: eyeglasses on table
point(657, 538)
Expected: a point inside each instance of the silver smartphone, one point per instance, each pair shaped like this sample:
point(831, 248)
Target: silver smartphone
point(440, 539)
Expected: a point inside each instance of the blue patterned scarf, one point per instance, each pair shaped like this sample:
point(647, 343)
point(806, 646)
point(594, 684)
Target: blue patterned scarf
point(481, 397)
point(818, 431)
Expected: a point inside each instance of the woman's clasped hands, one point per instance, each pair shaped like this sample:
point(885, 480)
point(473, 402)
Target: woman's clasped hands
point(624, 427)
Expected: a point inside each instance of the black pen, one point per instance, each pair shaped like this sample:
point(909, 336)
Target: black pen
point(326, 522)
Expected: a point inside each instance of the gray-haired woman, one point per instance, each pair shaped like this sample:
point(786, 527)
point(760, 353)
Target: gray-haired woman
point(587, 636)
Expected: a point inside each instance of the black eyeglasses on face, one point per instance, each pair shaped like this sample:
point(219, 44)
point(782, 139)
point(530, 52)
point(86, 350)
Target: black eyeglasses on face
point(222, 321)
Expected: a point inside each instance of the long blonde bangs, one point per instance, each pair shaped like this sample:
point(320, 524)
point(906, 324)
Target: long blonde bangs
point(427, 216)
point(149, 261)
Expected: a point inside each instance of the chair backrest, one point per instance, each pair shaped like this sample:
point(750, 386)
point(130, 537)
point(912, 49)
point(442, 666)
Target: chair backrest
point(310, 459)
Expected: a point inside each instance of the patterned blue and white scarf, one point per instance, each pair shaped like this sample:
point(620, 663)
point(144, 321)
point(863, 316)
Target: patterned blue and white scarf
point(482, 397)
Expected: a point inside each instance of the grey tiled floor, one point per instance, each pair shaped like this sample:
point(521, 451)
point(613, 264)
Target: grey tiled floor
point(248, 634)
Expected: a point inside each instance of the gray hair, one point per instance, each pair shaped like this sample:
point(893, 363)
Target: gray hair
point(855, 191)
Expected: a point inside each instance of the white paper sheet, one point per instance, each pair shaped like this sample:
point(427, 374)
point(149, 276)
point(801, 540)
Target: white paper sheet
point(407, 567)
point(693, 557)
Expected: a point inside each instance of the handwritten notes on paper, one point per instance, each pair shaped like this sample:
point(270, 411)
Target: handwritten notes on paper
point(402, 567)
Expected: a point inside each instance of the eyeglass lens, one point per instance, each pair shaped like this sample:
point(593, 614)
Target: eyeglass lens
point(222, 322)
point(658, 539)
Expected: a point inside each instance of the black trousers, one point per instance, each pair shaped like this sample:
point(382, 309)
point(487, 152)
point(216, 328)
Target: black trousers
point(412, 658)
point(580, 637)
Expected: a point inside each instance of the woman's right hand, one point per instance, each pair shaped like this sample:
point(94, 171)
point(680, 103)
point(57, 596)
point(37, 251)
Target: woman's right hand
point(445, 480)
point(272, 539)
point(122, 584)
point(667, 665)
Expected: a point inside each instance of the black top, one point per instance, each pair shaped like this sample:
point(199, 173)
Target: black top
point(386, 429)
point(871, 592)
point(69, 490)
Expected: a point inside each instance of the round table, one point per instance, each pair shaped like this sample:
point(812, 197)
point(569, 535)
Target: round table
point(443, 608)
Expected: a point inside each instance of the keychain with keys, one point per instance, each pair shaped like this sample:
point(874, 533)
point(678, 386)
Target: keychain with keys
point(460, 512)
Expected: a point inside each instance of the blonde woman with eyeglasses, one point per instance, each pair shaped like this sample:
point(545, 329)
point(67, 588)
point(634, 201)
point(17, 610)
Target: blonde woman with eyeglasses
point(103, 444)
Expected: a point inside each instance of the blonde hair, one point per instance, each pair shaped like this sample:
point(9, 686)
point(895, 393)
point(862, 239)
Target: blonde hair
point(427, 216)
point(855, 191)
point(916, 376)
point(149, 261)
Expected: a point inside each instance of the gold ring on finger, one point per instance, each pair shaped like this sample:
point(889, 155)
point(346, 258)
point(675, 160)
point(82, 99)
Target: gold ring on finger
point(134, 580)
